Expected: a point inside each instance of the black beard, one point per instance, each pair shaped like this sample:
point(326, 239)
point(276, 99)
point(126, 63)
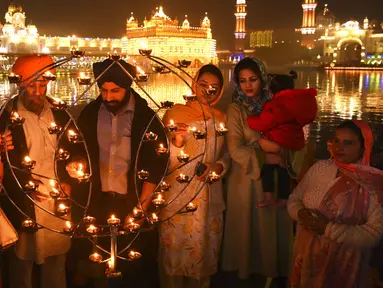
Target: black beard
point(114, 106)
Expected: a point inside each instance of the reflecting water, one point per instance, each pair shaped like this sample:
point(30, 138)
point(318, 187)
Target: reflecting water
point(342, 95)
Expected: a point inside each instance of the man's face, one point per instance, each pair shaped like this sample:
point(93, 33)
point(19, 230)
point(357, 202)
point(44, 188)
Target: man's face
point(113, 96)
point(34, 96)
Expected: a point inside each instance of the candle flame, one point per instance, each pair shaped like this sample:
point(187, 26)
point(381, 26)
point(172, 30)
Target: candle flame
point(48, 73)
point(62, 206)
point(68, 224)
point(221, 126)
point(71, 133)
point(154, 216)
point(52, 182)
point(193, 129)
point(92, 227)
point(159, 197)
point(53, 124)
point(113, 217)
point(27, 159)
point(31, 183)
point(189, 93)
point(139, 69)
point(15, 114)
point(161, 145)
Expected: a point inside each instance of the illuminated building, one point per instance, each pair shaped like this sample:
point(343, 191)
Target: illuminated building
point(240, 24)
point(18, 38)
point(308, 23)
point(170, 40)
point(261, 38)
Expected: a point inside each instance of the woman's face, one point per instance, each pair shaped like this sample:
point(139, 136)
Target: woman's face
point(250, 83)
point(208, 83)
point(346, 146)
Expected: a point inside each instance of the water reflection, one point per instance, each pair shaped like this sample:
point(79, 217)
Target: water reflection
point(342, 95)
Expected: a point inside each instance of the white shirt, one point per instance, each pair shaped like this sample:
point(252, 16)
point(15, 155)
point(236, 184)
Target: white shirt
point(114, 139)
point(41, 146)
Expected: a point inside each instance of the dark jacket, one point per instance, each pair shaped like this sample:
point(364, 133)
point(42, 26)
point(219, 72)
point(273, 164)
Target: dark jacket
point(16, 156)
point(147, 160)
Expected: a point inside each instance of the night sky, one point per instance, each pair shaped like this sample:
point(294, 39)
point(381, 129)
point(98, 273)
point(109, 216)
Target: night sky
point(93, 18)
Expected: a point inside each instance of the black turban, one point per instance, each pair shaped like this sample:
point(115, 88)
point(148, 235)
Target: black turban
point(115, 73)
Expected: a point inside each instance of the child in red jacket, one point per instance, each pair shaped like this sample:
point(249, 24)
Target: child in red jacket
point(281, 123)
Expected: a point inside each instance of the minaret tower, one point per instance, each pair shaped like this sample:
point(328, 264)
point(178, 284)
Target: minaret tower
point(240, 24)
point(308, 22)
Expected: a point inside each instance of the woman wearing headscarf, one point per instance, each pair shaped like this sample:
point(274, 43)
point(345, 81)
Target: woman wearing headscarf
point(338, 208)
point(190, 242)
point(256, 241)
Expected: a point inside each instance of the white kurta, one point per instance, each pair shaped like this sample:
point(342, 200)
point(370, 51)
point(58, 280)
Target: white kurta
point(41, 145)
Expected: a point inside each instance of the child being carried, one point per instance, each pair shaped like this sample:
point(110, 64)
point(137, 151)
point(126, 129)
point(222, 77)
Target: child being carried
point(281, 123)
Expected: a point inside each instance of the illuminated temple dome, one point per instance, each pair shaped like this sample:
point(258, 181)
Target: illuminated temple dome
point(13, 8)
point(170, 39)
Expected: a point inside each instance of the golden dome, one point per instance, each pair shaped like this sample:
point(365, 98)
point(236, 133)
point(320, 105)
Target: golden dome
point(13, 8)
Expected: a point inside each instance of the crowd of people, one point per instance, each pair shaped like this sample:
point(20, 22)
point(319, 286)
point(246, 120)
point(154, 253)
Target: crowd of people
point(245, 222)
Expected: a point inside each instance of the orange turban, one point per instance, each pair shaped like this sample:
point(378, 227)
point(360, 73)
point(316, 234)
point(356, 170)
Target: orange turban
point(26, 66)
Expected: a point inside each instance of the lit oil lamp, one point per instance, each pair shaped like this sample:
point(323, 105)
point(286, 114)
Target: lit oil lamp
point(133, 255)
point(198, 134)
point(28, 224)
point(62, 155)
point(191, 207)
point(63, 209)
point(162, 150)
point(81, 176)
point(16, 119)
point(222, 130)
point(145, 52)
point(183, 157)
point(154, 218)
point(150, 136)
point(213, 177)
point(172, 126)
point(92, 229)
point(211, 91)
point(58, 104)
point(68, 227)
point(141, 76)
point(137, 213)
point(131, 226)
point(54, 129)
point(83, 79)
point(89, 220)
point(167, 104)
point(158, 200)
point(49, 76)
point(95, 257)
point(77, 53)
point(188, 97)
point(164, 187)
point(13, 78)
point(182, 178)
point(31, 186)
point(73, 137)
point(28, 163)
point(55, 192)
point(143, 174)
point(115, 56)
point(113, 221)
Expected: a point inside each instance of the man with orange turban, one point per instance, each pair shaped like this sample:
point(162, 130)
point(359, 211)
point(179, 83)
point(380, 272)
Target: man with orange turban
point(35, 246)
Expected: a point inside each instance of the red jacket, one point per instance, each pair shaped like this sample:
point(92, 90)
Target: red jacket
point(283, 118)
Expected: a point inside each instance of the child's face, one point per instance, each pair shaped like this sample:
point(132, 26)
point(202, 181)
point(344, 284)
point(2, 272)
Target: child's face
point(250, 83)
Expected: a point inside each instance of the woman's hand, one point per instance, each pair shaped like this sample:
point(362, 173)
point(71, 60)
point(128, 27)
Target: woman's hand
point(312, 220)
point(6, 139)
point(217, 168)
point(74, 167)
point(179, 135)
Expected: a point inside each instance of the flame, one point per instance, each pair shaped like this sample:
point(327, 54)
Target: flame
point(48, 73)
point(68, 224)
point(113, 217)
point(143, 45)
point(154, 216)
point(171, 122)
point(222, 126)
point(71, 133)
point(193, 129)
point(31, 183)
point(139, 69)
point(159, 197)
point(62, 206)
point(53, 124)
point(161, 146)
point(15, 114)
point(27, 159)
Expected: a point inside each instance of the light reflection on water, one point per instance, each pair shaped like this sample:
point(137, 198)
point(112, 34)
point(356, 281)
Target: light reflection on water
point(342, 95)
